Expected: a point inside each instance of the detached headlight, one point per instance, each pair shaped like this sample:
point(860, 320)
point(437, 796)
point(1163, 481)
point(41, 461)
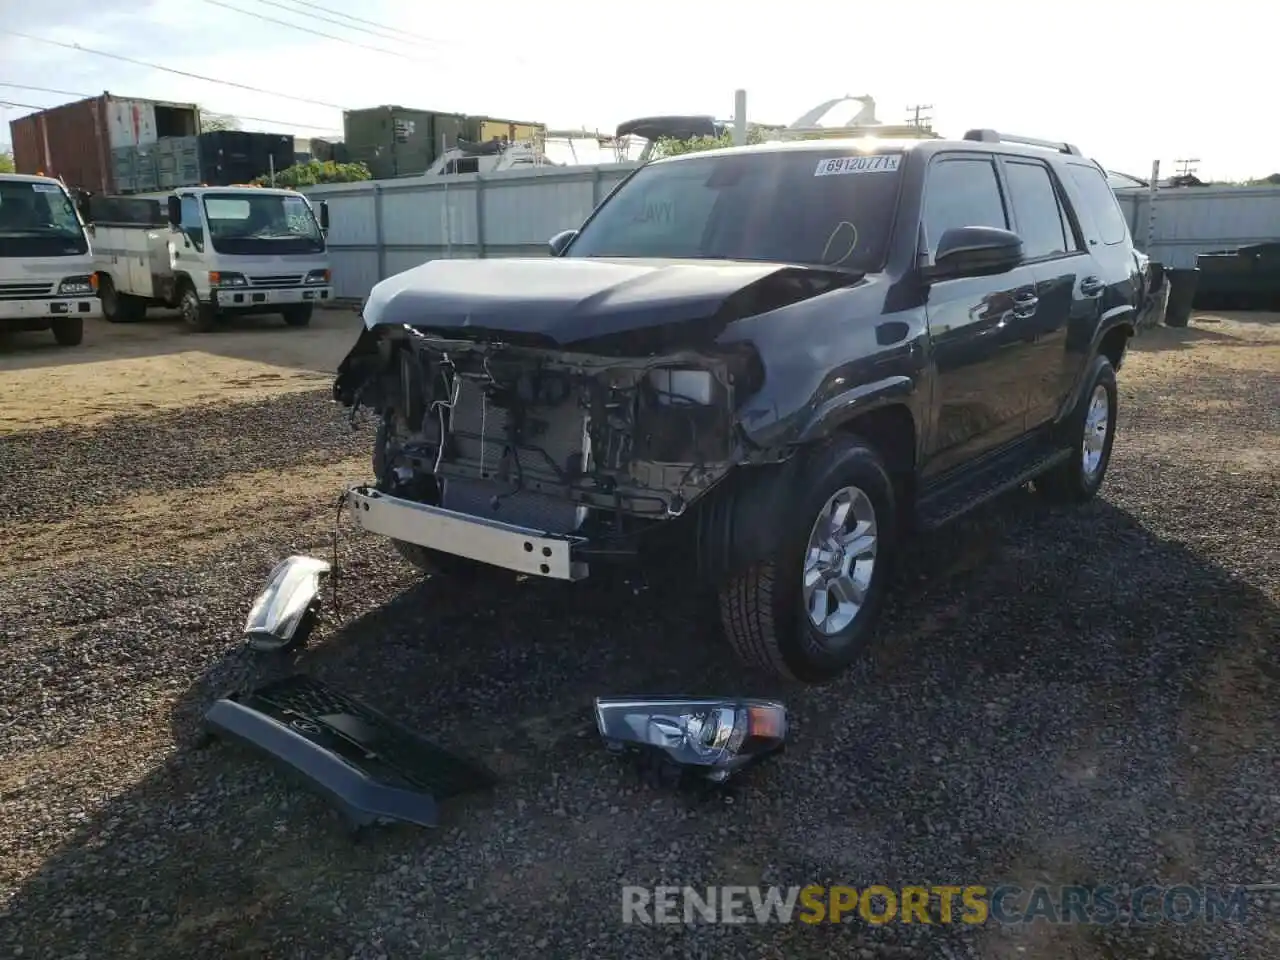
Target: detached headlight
point(218, 279)
point(318, 276)
point(676, 386)
point(77, 286)
point(715, 738)
point(282, 615)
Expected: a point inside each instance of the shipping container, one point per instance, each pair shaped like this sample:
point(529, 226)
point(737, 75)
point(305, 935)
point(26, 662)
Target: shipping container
point(515, 131)
point(76, 140)
point(399, 141)
point(320, 149)
point(232, 156)
point(449, 128)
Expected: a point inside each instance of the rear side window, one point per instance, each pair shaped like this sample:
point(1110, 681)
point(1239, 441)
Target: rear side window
point(1101, 202)
point(962, 192)
point(1041, 222)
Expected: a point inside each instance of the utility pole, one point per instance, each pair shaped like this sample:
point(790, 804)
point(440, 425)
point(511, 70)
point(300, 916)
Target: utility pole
point(1187, 167)
point(916, 120)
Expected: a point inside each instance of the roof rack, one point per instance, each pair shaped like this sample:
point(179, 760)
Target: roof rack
point(992, 136)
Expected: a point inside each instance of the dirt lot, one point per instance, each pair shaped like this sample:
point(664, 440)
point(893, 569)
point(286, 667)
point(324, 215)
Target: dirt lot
point(1082, 696)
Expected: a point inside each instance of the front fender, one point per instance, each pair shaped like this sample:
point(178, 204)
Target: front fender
point(838, 410)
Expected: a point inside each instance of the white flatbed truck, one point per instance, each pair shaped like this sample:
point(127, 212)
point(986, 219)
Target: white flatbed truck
point(211, 252)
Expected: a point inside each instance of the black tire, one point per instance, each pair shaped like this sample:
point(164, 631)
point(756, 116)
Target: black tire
point(68, 332)
point(762, 608)
point(112, 308)
point(1075, 480)
point(133, 308)
point(201, 317)
point(297, 314)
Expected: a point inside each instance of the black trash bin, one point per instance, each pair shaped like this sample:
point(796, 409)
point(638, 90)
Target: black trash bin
point(1182, 291)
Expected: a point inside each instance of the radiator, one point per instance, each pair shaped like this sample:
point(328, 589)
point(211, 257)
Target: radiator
point(493, 499)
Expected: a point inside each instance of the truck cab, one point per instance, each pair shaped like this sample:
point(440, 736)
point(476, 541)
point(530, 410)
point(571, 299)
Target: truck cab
point(46, 263)
point(219, 251)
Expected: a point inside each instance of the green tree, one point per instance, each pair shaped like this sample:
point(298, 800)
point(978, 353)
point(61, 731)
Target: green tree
point(315, 172)
point(669, 147)
point(213, 122)
point(6, 162)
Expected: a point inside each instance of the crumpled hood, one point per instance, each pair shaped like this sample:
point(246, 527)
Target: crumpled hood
point(566, 299)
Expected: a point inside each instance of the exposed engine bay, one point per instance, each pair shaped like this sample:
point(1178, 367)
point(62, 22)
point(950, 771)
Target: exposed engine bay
point(547, 438)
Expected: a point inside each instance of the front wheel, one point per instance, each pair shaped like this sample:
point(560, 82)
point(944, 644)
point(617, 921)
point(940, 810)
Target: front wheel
point(298, 314)
point(806, 612)
point(70, 332)
point(1091, 430)
point(200, 316)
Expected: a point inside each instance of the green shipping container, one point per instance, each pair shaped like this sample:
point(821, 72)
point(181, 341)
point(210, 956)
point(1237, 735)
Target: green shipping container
point(392, 141)
point(449, 128)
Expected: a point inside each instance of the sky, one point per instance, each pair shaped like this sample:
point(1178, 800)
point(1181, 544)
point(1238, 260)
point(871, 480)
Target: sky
point(1129, 83)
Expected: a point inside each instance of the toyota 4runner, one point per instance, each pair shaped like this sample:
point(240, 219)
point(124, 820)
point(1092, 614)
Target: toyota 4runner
point(770, 362)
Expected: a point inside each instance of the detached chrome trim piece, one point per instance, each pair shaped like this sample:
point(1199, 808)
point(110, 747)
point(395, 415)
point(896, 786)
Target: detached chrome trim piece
point(532, 552)
point(282, 607)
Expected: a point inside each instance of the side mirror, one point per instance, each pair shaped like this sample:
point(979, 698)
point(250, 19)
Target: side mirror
point(175, 211)
point(82, 207)
point(560, 242)
point(324, 215)
point(974, 252)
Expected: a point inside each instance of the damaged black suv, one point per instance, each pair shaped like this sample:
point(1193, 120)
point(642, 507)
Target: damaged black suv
point(771, 363)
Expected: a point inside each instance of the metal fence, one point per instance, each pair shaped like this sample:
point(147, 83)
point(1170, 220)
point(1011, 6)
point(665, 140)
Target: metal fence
point(381, 228)
point(1193, 220)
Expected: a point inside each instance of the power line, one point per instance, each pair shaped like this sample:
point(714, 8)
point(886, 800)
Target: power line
point(19, 106)
point(382, 33)
point(386, 32)
point(317, 33)
point(174, 70)
point(84, 96)
point(372, 23)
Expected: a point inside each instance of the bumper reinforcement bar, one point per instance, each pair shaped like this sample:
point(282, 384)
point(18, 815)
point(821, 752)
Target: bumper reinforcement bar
point(532, 552)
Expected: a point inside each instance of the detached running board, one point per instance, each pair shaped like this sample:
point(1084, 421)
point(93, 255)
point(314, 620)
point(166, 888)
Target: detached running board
point(370, 767)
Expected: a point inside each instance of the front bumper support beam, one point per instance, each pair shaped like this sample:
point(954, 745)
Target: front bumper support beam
point(532, 552)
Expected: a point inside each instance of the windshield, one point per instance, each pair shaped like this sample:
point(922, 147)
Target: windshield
point(261, 223)
point(38, 220)
point(815, 208)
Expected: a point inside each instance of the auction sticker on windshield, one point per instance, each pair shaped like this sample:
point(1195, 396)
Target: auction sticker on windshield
point(46, 188)
point(879, 164)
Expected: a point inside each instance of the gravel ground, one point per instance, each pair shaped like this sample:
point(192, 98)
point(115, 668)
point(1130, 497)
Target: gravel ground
point(1065, 697)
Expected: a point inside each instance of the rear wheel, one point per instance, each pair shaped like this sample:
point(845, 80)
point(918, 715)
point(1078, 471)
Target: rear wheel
point(807, 611)
point(200, 316)
point(68, 332)
point(1091, 431)
point(297, 314)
